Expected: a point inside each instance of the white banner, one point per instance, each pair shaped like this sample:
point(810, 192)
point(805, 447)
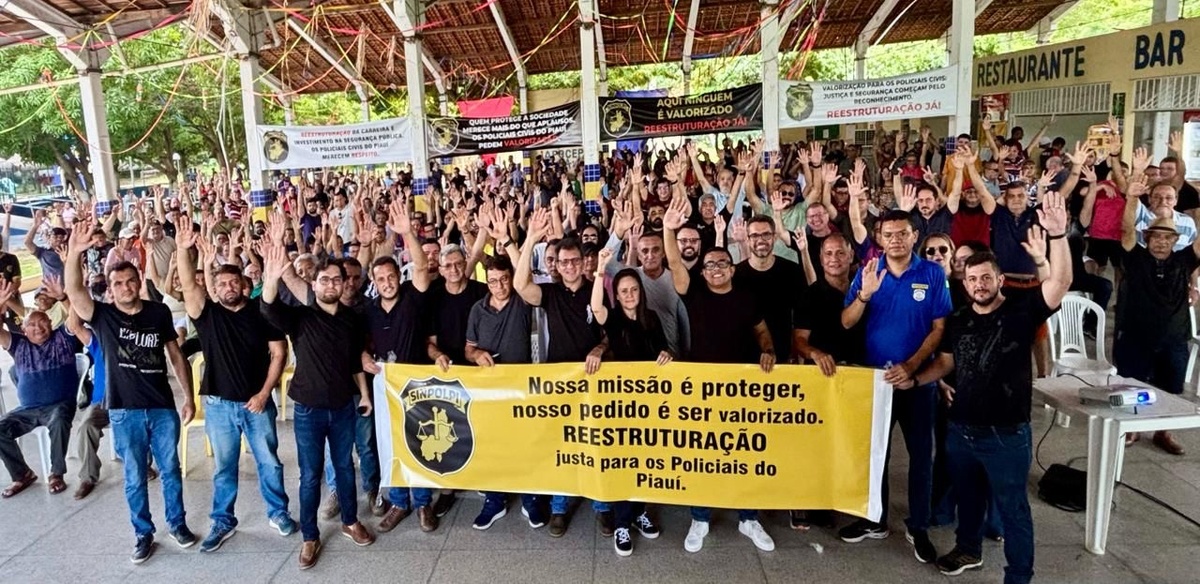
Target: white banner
point(288, 147)
point(918, 95)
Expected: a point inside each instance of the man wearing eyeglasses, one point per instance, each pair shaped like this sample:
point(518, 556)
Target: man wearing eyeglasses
point(904, 301)
point(569, 319)
point(727, 327)
point(498, 333)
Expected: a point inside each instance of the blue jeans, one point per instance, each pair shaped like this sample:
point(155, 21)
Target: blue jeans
point(705, 514)
point(226, 422)
point(945, 501)
point(493, 498)
point(559, 504)
point(137, 434)
point(313, 427)
point(398, 497)
point(995, 458)
point(368, 457)
point(914, 410)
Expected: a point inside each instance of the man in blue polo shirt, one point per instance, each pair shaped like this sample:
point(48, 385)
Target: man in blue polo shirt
point(905, 303)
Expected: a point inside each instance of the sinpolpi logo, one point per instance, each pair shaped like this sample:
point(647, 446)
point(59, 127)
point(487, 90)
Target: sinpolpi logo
point(437, 424)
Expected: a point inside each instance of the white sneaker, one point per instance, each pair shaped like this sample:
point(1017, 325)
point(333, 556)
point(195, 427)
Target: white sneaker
point(754, 530)
point(695, 537)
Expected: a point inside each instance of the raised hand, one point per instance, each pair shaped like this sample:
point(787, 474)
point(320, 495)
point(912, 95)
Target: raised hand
point(719, 223)
point(872, 279)
point(829, 172)
point(738, 235)
point(816, 153)
point(53, 286)
point(185, 234)
point(908, 198)
point(1047, 179)
point(275, 262)
point(777, 202)
point(677, 213)
point(1141, 160)
point(539, 223)
point(81, 236)
point(1089, 174)
point(1035, 244)
point(604, 257)
point(1175, 143)
point(398, 217)
point(1079, 157)
point(1052, 215)
point(929, 177)
point(1137, 186)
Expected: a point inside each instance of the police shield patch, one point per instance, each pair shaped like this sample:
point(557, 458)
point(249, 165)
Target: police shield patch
point(437, 424)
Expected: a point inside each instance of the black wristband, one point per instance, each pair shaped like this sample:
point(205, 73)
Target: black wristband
point(1054, 237)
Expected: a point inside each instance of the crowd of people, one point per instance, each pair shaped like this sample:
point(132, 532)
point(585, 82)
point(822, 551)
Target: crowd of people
point(944, 279)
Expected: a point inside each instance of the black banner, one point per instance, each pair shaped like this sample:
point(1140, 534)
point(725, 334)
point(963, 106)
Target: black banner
point(552, 128)
point(732, 110)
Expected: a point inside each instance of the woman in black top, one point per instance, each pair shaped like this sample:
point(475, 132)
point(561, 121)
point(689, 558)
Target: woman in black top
point(634, 334)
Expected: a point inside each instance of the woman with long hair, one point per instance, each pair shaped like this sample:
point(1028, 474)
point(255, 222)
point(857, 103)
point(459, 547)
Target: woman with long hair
point(634, 334)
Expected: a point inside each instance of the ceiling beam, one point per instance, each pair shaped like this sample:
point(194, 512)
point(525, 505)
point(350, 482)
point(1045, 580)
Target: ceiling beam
point(57, 25)
point(360, 85)
point(514, 54)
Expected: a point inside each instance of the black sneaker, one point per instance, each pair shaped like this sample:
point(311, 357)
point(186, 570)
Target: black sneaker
point(558, 524)
point(863, 529)
point(215, 538)
point(607, 523)
point(143, 548)
point(956, 562)
point(646, 526)
point(623, 542)
point(443, 504)
point(922, 548)
point(183, 536)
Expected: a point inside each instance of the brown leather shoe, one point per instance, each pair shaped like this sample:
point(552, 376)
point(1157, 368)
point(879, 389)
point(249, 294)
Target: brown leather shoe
point(85, 489)
point(309, 552)
point(429, 520)
point(1167, 443)
point(358, 534)
point(392, 518)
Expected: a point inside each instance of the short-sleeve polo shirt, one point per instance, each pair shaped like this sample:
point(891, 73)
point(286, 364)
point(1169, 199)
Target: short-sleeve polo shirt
point(901, 313)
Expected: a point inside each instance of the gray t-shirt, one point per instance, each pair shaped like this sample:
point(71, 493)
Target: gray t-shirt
point(503, 333)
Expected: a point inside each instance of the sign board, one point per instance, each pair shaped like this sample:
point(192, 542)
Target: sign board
point(918, 95)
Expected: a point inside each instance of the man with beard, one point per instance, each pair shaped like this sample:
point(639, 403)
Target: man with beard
point(574, 331)
point(244, 357)
point(931, 215)
point(327, 338)
point(394, 322)
point(776, 284)
point(988, 440)
point(970, 205)
point(904, 302)
point(689, 249)
point(137, 339)
point(727, 327)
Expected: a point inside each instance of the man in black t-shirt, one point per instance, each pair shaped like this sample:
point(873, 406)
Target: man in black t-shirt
point(137, 338)
point(777, 284)
point(243, 357)
point(396, 322)
point(328, 384)
point(738, 335)
point(988, 440)
point(577, 336)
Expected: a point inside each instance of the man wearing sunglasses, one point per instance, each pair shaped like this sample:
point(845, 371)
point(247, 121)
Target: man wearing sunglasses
point(739, 335)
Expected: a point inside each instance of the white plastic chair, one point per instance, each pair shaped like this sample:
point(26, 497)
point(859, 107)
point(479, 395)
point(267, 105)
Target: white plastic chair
point(1193, 345)
point(1068, 345)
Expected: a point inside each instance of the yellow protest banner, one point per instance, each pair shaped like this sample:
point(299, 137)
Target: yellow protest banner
point(683, 434)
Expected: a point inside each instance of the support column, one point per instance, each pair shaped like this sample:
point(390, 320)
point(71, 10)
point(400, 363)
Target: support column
point(412, 14)
point(589, 107)
point(289, 113)
point(95, 123)
point(961, 45)
point(769, 35)
point(1163, 11)
point(249, 69)
point(364, 103)
point(860, 59)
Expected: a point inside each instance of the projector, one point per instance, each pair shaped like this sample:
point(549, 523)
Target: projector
point(1118, 396)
